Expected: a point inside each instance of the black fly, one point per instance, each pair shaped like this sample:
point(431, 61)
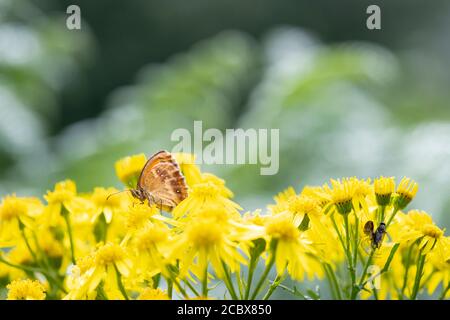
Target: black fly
point(376, 236)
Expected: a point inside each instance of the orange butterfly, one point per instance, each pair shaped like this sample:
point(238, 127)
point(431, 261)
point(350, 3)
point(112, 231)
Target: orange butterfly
point(161, 182)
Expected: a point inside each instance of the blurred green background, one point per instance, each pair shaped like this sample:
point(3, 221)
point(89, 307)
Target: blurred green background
point(348, 101)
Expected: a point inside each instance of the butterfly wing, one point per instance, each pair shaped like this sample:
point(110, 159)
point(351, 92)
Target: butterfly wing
point(367, 239)
point(368, 228)
point(162, 179)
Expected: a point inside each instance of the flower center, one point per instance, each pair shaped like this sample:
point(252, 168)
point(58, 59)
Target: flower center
point(282, 229)
point(11, 208)
point(151, 237)
point(304, 204)
point(205, 234)
point(432, 231)
point(204, 190)
point(109, 254)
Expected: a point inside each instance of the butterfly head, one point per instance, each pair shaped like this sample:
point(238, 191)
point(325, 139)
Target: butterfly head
point(138, 194)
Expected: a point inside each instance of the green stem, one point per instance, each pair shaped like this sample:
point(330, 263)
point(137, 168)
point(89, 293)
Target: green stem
point(356, 242)
point(229, 283)
point(205, 283)
point(333, 281)
point(382, 213)
point(392, 217)
point(65, 214)
point(405, 276)
point(394, 249)
point(240, 285)
point(346, 248)
point(294, 292)
point(419, 274)
point(20, 267)
point(120, 284)
point(347, 233)
point(156, 280)
point(41, 252)
point(101, 294)
point(169, 287)
point(264, 276)
point(273, 286)
point(190, 286)
point(444, 292)
point(27, 243)
point(349, 257)
point(364, 273)
point(375, 293)
point(173, 280)
point(251, 270)
point(338, 233)
point(330, 283)
point(42, 269)
point(50, 278)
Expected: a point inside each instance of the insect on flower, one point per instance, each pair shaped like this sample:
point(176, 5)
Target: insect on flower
point(377, 236)
point(161, 182)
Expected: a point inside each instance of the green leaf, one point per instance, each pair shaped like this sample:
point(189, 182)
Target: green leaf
point(391, 256)
point(314, 294)
point(304, 225)
point(259, 245)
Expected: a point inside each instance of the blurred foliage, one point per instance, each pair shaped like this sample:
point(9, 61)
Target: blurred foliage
point(37, 60)
point(343, 109)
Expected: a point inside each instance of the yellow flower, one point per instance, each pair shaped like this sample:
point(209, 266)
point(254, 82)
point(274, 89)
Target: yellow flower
point(15, 214)
point(219, 183)
point(321, 194)
point(19, 255)
point(440, 274)
point(204, 196)
point(419, 225)
point(406, 191)
point(138, 216)
point(128, 169)
point(304, 207)
point(59, 200)
point(189, 169)
point(282, 201)
point(12, 208)
point(282, 227)
point(79, 279)
point(113, 254)
point(255, 218)
point(106, 265)
point(203, 242)
point(153, 294)
point(342, 195)
point(325, 244)
point(26, 290)
point(49, 245)
point(361, 190)
point(108, 205)
point(384, 188)
point(64, 192)
point(153, 245)
point(292, 252)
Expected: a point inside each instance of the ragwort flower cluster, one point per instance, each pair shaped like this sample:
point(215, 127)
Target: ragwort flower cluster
point(353, 233)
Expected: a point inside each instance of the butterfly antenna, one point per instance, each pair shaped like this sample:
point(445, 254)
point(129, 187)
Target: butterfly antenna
point(116, 193)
